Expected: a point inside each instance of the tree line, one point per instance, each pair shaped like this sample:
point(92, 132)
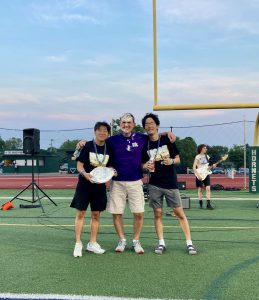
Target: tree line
point(187, 148)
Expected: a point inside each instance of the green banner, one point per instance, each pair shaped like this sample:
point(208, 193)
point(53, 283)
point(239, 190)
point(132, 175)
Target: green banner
point(254, 169)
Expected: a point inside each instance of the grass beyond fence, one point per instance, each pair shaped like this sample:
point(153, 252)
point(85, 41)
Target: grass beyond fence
point(36, 252)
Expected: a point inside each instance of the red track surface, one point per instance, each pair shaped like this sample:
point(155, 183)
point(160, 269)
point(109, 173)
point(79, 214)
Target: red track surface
point(67, 181)
point(53, 181)
point(238, 181)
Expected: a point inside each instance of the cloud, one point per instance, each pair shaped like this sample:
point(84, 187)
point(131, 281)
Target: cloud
point(243, 26)
point(70, 117)
point(52, 17)
point(112, 97)
point(85, 99)
point(192, 86)
point(15, 96)
point(181, 11)
point(69, 11)
point(100, 61)
point(202, 113)
point(228, 16)
point(55, 58)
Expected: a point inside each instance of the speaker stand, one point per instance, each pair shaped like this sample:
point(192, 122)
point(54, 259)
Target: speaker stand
point(35, 193)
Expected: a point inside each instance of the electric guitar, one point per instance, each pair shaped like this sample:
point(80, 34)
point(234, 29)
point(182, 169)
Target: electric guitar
point(205, 170)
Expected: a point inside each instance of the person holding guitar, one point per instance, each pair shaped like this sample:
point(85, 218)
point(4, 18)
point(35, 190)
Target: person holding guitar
point(202, 170)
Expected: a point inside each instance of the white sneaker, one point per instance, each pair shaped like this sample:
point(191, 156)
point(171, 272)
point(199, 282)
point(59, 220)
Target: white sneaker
point(191, 250)
point(121, 246)
point(78, 250)
point(137, 247)
point(95, 248)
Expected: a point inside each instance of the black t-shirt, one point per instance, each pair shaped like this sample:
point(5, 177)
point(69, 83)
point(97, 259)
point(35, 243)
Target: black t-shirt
point(164, 175)
point(92, 159)
point(85, 190)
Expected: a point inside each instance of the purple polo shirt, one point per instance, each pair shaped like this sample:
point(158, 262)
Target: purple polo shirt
point(127, 155)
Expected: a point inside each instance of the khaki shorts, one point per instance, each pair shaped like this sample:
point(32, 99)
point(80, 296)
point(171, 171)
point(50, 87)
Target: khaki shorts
point(121, 191)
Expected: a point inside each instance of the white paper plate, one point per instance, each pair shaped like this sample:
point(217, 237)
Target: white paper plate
point(101, 174)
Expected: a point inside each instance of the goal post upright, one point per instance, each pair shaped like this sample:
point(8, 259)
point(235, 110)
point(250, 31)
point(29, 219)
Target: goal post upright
point(155, 52)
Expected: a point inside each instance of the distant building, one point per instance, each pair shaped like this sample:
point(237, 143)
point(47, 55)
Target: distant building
point(15, 161)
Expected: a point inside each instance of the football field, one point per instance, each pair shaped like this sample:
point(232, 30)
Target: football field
point(37, 263)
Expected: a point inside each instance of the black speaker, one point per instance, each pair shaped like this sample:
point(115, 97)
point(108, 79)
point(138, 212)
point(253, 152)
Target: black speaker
point(31, 141)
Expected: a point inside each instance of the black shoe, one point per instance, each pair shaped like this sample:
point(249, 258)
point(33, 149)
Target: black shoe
point(200, 203)
point(191, 250)
point(160, 249)
point(209, 206)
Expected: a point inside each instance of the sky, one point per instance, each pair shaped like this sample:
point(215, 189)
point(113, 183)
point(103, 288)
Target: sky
point(66, 64)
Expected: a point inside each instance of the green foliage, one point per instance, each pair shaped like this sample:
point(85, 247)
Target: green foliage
point(187, 148)
point(62, 150)
point(2, 144)
point(216, 153)
point(69, 145)
point(13, 143)
point(52, 150)
point(236, 155)
point(138, 128)
point(115, 126)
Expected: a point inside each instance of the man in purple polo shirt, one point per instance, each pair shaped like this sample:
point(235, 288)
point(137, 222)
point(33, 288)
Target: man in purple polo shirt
point(127, 149)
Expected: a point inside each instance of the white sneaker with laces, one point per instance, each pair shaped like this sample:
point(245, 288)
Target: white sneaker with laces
point(95, 248)
point(78, 250)
point(137, 247)
point(121, 246)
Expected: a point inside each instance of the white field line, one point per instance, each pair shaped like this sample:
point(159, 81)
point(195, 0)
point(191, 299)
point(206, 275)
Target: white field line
point(65, 297)
point(144, 226)
point(192, 198)
point(40, 179)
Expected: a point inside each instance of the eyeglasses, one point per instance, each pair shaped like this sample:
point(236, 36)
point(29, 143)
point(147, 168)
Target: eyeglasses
point(150, 124)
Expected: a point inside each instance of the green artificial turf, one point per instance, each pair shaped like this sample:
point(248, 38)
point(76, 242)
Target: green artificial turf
point(36, 252)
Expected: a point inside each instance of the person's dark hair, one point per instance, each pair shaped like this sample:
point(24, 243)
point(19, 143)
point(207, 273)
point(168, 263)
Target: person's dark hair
point(200, 147)
point(152, 116)
point(104, 124)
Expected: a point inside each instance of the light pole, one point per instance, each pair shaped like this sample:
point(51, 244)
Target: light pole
point(51, 145)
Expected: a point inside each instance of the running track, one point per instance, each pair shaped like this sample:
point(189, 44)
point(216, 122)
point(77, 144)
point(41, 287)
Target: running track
point(68, 181)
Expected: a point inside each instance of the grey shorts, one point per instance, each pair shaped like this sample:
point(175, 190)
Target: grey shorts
point(157, 196)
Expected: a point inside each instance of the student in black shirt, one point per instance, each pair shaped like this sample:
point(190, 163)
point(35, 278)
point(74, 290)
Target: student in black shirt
point(95, 153)
point(159, 157)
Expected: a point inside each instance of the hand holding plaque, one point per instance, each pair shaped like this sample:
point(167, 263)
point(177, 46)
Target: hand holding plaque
point(102, 174)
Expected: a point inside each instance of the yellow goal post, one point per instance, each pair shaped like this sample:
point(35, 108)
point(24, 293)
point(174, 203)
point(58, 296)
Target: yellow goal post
point(157, 107)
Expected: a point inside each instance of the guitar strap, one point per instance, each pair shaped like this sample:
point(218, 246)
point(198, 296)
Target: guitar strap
point(207, 158)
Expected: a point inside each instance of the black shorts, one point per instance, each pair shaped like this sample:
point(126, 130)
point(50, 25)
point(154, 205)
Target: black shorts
point(89, 193)
point(201, 183)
